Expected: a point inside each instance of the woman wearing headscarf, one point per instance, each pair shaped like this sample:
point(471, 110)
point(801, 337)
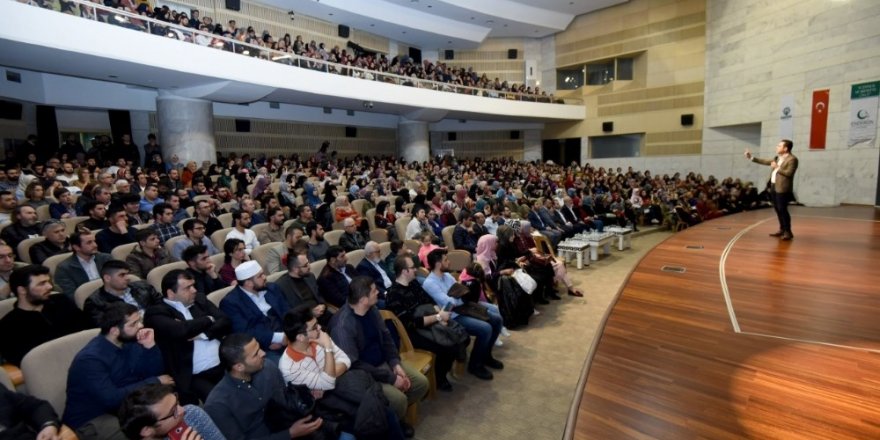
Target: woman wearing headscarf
point(515, 305)
point(528, 247)
point(475, 279)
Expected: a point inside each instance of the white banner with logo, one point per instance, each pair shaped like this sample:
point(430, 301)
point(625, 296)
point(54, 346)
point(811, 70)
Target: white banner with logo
point(864, 100)
point(786, 117)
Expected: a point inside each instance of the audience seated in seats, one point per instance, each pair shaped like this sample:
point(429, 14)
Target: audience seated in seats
point(276, 256)
point(465, 235)
point(312, 359)
point(154, 411)
point(122, 358)
point(148, 254)
point(117, 233)
point(248, 205)
point(97, 213)
point(352, 239)
point(163, 222)
point(538, 266)
point(299, 286)
point(360, 332)
point(7, 264)
point(204, 212)
point(64, 207)
point(336, 276)
point(83, 266)
point(118, 288)
point(241, 221)
point(403, 298)
point(55, 234)
point(344, 211)
point(27, 417)
point(543, 227)
point(37, 316)
point(384, 219)
point(246, 412)
point(371, 266)
point(202, 269)
point(235, 254)
point(304, 216)
point(24, 225)
point(178, 211)
point(316, 244)
point(398, 249)
point(437, 285)
point(150, 199)
point(131, 204)
point(257, 308)
point(275, 231)
point(195, 231)
point(188, 331)
point(417, 225)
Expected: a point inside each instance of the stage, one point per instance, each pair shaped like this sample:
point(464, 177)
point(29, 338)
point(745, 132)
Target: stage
point(724, 332)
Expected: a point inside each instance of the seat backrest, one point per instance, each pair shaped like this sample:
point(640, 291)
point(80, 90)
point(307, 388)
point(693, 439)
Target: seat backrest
point(71, 222)
point(85, 290)
point(405, 344)
point(225, 219)
point(274, 276)
point(218, 295)
point(219, 237)
point(43, 213)
point(543, 244)
point(6, 306)
point(332, 237)
point(338, 226)
point(218, 259)
point(261, 252)
point(53, 261)
point(371, 218)
point(121, 252)
point(257, 229)
point(24, 248)
point(358, 205)
point(400, 224)
point(459, 259)
point(384, 249)
point(447, 237)
point(354, 257)
point(169, 244)
point(46, 366)
point(316, 267)
point(379, 235)
point(412, 245)
point(154, 278)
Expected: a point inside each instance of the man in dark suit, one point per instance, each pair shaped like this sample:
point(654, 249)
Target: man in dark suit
point(783, 167)
point(541, 226)
point(257, 308)
point(334, 279)
point(299, 286)
point(188, 331)
point(118, 288)
point(83, 266)
point(352, 239)
point(371, 266)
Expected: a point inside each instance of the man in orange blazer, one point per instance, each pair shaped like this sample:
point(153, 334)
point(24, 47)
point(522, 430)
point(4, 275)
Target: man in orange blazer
point(783, 166)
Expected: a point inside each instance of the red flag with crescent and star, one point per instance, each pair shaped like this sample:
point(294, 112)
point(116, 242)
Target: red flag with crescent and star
point(819, 121)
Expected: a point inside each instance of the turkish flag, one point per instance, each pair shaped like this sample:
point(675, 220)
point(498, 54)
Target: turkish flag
point(819, 121)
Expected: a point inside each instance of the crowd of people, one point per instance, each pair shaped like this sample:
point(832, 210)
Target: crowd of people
point(304, 355)
point(318, 56)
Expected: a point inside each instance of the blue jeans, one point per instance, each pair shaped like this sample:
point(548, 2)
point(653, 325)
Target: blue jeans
point(493, 310)
point(485, 333)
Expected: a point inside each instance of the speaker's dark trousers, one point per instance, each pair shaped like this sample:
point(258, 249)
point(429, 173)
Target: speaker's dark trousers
point(780, 204)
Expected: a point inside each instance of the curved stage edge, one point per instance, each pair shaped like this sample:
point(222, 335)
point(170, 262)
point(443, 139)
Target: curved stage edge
point(757, 338)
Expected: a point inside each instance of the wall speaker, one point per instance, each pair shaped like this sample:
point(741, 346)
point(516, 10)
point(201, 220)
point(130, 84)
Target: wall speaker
point(687, 119)
point(234, 5)
point(10, 110)
point(451, 136)
point(449, 54)
point(511, 54)
point(514, 134)
point(607, 127)
point(351, 132)
point(344, 31)
point(242, 125)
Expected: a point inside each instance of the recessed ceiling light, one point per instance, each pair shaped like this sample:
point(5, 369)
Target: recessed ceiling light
point(372, 25)
point(472, 18)
point(404, 32)
point(113, 76)
point(505, 24)
point(331, 14)
point(430, 6)
point(490, 21)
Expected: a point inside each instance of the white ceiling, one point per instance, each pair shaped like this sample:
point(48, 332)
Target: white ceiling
point(447, 24)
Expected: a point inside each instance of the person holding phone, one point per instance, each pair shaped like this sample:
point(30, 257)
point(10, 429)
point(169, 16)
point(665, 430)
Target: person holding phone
point(154, 412)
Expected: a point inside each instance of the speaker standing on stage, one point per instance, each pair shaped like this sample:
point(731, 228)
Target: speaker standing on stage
point(784, 166)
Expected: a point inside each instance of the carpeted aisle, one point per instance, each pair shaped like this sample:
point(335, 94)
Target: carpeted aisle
point(531, 397)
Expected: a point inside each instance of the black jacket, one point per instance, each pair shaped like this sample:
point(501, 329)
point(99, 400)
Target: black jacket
point(143, 293)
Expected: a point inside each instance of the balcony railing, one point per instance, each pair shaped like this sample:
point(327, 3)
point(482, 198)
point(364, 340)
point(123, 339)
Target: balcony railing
point(133, 21)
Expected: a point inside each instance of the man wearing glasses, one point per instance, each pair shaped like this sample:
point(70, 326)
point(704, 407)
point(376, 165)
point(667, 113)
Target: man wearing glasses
point(154, 412)
point(122, 358)
point(301, 287)
point(195, 231)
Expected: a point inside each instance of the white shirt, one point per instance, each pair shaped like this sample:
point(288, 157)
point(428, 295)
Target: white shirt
point(414, 228)
point(385, 279)
point(259, 300)
point(248, 237)
point(90, 268)
point(206, 351)
point(779, 161)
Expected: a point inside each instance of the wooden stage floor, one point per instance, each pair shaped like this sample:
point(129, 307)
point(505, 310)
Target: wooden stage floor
point(758, 338)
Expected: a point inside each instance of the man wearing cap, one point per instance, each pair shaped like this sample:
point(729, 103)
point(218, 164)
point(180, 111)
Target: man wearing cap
point(257, 308)
point(55, 234)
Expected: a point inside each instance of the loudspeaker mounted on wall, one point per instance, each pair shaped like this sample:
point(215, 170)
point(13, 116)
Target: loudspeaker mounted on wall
point(607, 127)
point(687, 119)
point(511, 54)
point(344, 31)
point(242, 125)
point(234, 5)
point(351, 132)
point(451, 136)
point(514, 134)
point(449, 54)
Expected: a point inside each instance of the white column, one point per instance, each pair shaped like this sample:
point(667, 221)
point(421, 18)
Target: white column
point(186, 128)
point(532, 145)
point(413, 141)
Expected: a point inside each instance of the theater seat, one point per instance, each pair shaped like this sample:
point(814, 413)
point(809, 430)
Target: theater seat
point(421, 360)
